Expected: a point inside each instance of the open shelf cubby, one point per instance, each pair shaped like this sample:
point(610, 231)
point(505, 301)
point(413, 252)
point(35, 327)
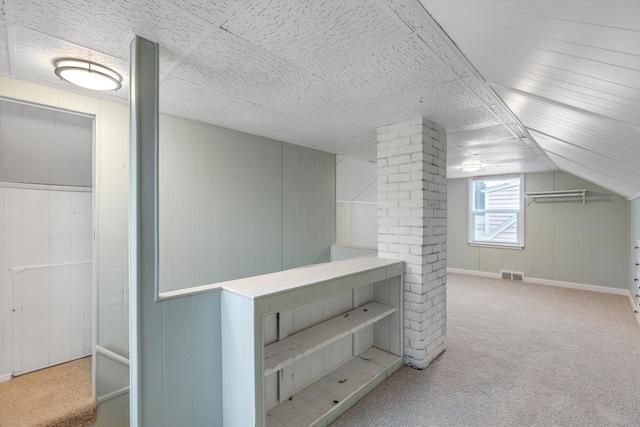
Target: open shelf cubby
point(302, 346)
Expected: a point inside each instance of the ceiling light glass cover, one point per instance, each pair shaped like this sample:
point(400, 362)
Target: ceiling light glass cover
point(470, 167)
point(88, 74)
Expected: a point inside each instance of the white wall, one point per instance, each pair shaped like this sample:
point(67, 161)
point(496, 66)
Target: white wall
point(46, 311)
point(111, 155)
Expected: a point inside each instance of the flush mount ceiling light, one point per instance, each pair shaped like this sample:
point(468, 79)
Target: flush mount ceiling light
point(470, 167)
point(87, 74)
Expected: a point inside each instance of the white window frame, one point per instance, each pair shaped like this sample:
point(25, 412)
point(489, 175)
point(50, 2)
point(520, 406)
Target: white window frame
point(519, 215)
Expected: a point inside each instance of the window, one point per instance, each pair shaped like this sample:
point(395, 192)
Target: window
point(496, 211)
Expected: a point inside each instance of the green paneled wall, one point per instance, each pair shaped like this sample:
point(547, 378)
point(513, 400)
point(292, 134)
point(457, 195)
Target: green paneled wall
point(564, 240)
point(634, 273)
point(235, 205)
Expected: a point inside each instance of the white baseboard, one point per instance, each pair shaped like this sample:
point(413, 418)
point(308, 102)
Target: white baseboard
point(580, 286)
point(4, 378)
point(547, 282)
point(473, 272)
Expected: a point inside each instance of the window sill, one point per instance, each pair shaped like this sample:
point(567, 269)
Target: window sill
point(495, 245)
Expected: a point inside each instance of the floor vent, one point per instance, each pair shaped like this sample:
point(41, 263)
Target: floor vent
point(512, 275)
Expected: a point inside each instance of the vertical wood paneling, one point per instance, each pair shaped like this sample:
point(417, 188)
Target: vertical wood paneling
point(308, 202)
point(363, 339)
point(185, 207)
point(35, 283)
point(233, 209)
point(343, 223)
point(273, 188)
point(204, 185)
point(244, 174)
point(11, 227)
point(292, 203)
point(60, 277)
point(381, 329)
point(356, 224)
point(229, 199)
point(395, 320)
point(216, 200)
point(256, 200)
point(167, 203)
point(178, 362)
point(54, 303)
point(207, 359)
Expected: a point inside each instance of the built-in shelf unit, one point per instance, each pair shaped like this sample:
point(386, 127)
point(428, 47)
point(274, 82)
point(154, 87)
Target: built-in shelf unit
point(302, 346)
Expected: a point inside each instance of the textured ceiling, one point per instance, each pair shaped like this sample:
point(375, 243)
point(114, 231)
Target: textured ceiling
point(319, 74)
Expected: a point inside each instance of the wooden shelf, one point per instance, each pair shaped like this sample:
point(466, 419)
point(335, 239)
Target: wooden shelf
point(321, 402)
point(283, 353)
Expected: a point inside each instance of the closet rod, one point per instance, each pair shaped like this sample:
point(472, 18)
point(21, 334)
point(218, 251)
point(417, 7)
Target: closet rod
point(560, 193)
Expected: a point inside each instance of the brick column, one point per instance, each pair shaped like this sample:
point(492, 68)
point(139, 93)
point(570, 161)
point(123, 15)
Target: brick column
point(412, 226)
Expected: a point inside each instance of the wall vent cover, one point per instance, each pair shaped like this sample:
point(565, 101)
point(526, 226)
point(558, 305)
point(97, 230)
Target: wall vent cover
point(518, 276)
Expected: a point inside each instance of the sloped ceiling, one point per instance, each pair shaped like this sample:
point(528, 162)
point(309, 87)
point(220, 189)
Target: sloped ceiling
point(569, 70)
point(319, 74)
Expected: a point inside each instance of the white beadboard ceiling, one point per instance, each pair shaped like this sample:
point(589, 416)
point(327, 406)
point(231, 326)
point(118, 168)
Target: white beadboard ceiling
point(570, 72)
point(561, 91)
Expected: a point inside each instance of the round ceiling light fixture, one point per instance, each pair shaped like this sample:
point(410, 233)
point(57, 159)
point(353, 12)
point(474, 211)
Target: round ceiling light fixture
point(470, 167)
point(88, 75)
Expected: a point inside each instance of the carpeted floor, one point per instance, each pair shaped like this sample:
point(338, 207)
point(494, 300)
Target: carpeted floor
point(518, 354)
point(59, 396)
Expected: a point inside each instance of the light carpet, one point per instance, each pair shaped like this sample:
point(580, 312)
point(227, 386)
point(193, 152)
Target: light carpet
point(59, 396)
point(518, 354)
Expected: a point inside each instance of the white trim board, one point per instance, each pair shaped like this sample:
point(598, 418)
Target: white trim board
point(473, 272)
point(45, 187)
point(548, 282)
point(4, 378)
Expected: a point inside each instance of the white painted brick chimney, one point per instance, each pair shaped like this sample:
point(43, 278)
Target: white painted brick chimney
point(412, 226)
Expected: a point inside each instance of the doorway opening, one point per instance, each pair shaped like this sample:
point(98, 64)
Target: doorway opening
point(46, 237)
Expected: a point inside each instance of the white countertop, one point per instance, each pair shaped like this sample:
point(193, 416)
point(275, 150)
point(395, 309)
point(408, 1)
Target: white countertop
point(282, 281)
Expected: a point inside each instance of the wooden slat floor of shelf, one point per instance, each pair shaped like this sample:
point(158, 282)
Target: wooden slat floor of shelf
point(320, 398)
point(284, 353)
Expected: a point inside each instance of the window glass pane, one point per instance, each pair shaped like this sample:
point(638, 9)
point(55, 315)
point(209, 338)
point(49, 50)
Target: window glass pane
point(496, 210)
